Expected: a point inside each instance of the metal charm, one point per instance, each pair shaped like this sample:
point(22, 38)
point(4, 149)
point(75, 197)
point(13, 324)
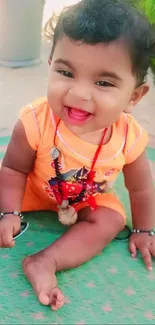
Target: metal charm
point(55, 153)
point(67, 214)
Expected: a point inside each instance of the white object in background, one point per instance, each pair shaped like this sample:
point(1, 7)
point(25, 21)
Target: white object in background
point(56, 7)
point(20, 32)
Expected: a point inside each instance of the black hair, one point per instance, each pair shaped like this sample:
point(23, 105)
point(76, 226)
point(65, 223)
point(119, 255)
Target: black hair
point(105, 21)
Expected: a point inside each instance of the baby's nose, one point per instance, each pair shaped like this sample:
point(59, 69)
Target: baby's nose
point(81, 93)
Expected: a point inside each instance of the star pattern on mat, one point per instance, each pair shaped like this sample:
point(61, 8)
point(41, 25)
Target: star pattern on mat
point(131, 273)
point(149, 315)
point(24, 294)
point(30, 243)
point(5, 256)
point(67, 300)
point(113, 270)
point(107, 308)
point(40, 225)
point(129, 291)
point(14, 275)
point(81, 322)
point(91, 284)
point(151, 276)
point(38, 316)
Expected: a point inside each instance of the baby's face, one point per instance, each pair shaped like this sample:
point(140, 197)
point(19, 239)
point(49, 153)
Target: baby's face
point(90, 85)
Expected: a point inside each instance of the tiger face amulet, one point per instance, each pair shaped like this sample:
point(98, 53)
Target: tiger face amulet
point(67, 216)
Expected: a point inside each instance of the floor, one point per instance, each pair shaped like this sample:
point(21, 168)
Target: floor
point(112, 288)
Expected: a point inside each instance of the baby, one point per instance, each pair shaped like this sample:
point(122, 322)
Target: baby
point(67, 150)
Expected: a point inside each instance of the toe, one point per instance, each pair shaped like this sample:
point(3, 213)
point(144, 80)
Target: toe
point(57, 299)
point(57, 306)
point(44, 298)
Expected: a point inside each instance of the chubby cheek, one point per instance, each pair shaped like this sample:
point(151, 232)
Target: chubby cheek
point(110, 108)
point(56, 94)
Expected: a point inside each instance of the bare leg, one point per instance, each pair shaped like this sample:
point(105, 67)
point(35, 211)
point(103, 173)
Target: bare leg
point(94, 230)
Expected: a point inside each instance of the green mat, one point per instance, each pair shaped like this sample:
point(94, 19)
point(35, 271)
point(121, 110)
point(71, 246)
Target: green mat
point(110, 289)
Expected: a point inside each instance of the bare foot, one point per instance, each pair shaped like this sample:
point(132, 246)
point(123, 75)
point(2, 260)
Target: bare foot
point(40, 271)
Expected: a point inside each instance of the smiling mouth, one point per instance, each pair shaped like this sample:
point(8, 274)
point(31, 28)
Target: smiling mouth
point(76, 114)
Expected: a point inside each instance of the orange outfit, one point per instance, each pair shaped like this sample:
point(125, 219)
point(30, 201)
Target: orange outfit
point(126, 144)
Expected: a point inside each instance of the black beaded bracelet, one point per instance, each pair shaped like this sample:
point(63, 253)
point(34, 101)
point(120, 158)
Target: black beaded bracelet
point(15, 213)
point(138, 231)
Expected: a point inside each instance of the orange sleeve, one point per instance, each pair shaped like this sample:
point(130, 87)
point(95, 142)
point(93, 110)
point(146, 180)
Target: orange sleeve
point(136, 140)
point(29, 117)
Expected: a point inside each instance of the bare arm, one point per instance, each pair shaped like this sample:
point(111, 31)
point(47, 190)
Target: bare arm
point(17, 163)
point(138, 180)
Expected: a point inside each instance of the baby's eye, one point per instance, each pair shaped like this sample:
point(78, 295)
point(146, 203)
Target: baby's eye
point(65, 73)
point(103, 83)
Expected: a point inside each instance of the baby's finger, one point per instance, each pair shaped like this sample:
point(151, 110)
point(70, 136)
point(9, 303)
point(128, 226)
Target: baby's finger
point(147, 258)
point(132, 249)
point(7, 238)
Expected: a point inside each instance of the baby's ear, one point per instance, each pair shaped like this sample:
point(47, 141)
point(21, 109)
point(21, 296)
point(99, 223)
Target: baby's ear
point(137, 95)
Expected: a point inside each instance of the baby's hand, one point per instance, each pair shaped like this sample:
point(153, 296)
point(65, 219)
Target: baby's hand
point(145, 244)
point(9, 227)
